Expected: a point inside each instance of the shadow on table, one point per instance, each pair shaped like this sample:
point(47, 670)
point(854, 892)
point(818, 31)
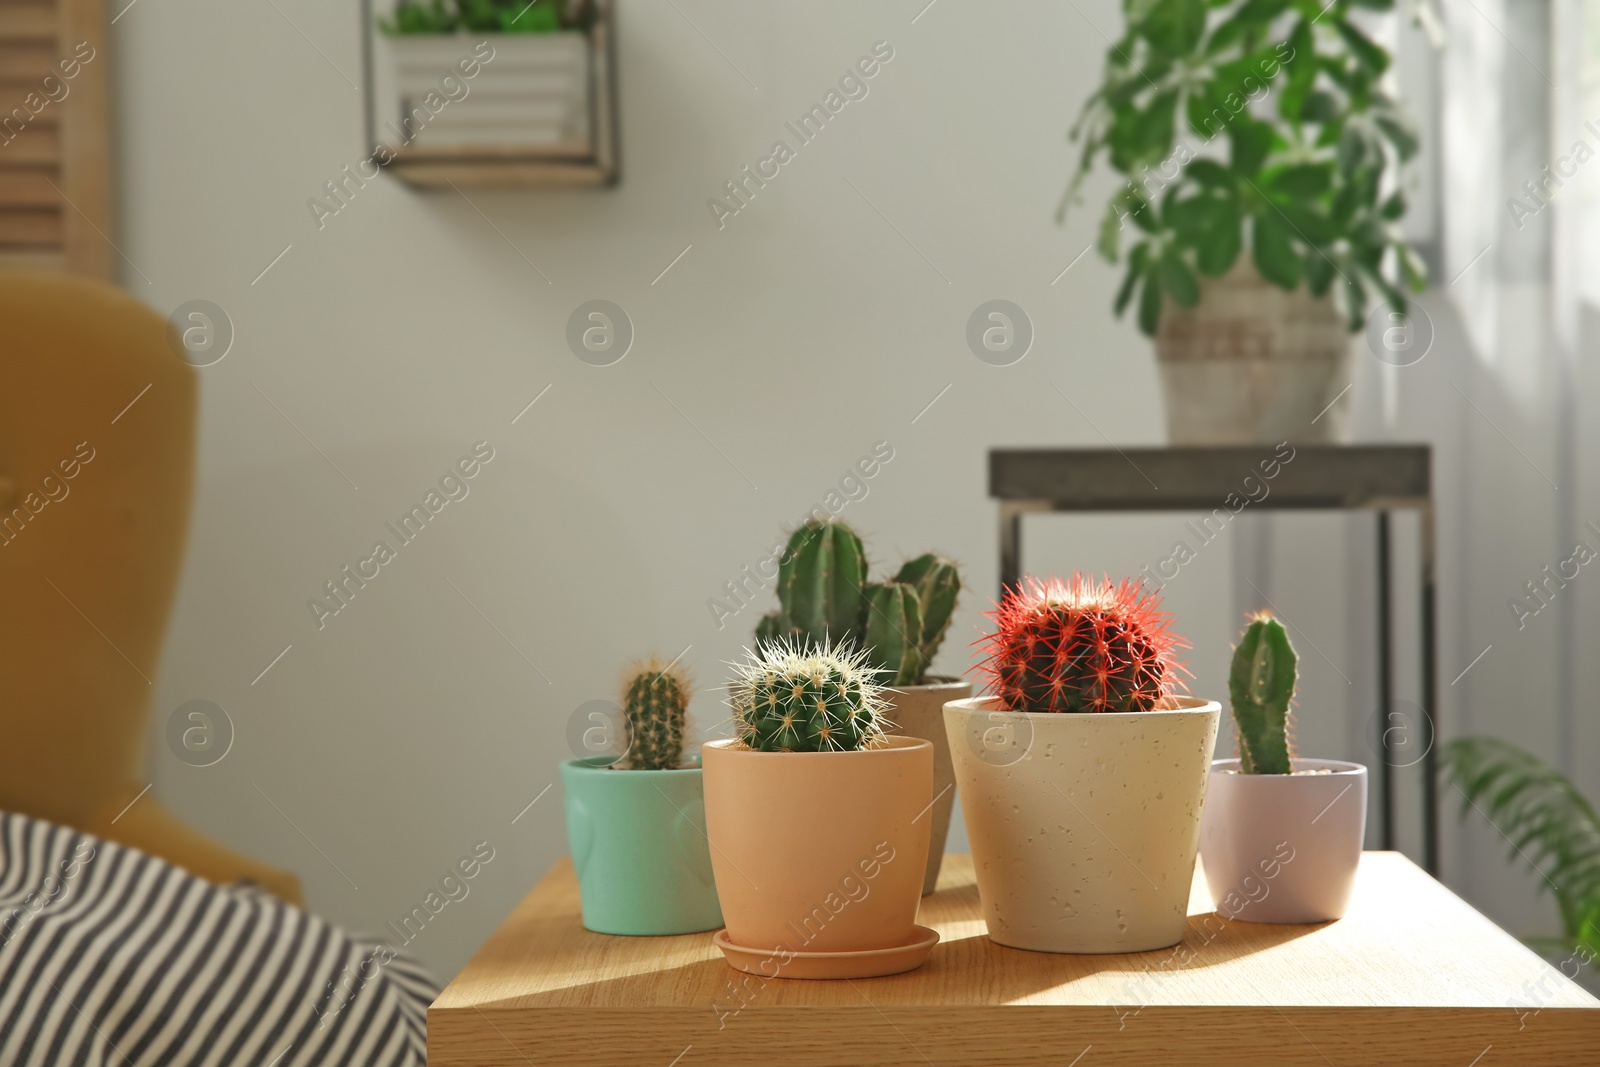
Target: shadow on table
point(965, 968)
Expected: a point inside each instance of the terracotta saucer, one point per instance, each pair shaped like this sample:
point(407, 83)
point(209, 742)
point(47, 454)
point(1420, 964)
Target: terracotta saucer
point(873, 963)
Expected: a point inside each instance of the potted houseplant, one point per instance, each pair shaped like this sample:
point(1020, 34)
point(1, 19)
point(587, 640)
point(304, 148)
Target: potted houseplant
point(1255, 138)
point(1281, 837)
point(1552, 828)
point(636, 824)
point(1082, 775)
point(509, 74)
point(812, 812)
point(824, 595)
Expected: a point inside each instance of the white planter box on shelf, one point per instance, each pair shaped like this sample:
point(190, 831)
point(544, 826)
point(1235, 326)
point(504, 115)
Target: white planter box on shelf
point(532, 95)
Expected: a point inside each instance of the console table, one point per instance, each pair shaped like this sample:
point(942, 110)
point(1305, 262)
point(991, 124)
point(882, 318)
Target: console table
point(1411, 976)
point(1377, 478)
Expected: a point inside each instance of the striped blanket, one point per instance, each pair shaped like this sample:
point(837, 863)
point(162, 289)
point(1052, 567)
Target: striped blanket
point(112, 957)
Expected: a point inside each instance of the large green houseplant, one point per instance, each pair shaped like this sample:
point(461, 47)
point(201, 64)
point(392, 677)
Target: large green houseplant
point(1255, 139)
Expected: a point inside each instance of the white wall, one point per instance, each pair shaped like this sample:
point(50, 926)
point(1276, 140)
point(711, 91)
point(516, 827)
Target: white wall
point(408, 328)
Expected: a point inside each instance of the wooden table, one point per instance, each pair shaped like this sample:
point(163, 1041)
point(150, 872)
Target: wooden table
point(1411, 976)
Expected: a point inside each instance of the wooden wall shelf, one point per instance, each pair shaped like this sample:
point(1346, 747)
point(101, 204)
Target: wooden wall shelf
point(591, 161)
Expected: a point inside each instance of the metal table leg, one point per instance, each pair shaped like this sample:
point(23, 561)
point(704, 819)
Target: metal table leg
point(1430, 699)
point(1385, 689)
point(1010, 545)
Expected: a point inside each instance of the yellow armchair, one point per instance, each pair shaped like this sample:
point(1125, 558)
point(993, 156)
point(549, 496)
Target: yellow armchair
point(92, 529)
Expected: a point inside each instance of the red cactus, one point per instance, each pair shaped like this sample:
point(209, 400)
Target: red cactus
point(1081, 646)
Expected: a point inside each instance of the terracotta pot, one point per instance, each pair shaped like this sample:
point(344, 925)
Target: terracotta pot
point(819, 851)
point(918, 711)
point(1253, 363)
point(1083, 827)
point(1284, 848)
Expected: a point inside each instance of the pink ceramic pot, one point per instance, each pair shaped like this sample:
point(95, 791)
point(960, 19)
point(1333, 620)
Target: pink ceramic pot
point(1284, 848)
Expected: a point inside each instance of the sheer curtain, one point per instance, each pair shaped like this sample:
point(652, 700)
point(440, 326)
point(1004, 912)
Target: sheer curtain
point(1518, 136)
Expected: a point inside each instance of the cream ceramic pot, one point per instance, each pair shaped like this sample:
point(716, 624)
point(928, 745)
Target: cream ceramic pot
point(1083, 827)
point(1284, 848)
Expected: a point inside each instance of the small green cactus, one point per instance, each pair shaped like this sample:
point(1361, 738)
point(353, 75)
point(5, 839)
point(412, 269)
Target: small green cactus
point(824, 597)
point(1260, 687)
point(792, 698)
point(656, 701)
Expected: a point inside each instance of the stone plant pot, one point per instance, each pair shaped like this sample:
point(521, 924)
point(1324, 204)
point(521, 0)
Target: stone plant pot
point(532, 90)
point(638, 841)
point(1254, 364)
point(1284, 848)
point(819, 852)
point(918, 711)
point(1083, 827)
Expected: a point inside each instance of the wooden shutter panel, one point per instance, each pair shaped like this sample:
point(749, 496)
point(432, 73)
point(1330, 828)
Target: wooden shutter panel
point(55, 187)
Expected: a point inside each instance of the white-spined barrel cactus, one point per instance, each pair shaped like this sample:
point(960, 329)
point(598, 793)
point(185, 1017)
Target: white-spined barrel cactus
point(824, 597)
point(791, 698)
point(656, 702)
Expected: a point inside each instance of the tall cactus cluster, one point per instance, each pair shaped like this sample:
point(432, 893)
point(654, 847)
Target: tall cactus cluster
point(1260, 687)
point(814, 698)
point(1080, 646)
point(656, 701)
point(825, 598)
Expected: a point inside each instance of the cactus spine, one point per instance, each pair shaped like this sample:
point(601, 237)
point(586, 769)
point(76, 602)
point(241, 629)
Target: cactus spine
point(1080, 646)
point(656, 702)
point(1260, 687)
point(792, 698)
point(825, 598)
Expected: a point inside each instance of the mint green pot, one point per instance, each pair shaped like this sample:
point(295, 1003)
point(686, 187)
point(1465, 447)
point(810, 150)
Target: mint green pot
point(638, 841)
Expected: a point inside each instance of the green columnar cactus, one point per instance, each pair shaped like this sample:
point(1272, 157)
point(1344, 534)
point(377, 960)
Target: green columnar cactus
point(656, 701)
point(891, 627)
point(938, 585)
point(824, 596)
point(1260, 687)
point(792, 698)
point(820, 580)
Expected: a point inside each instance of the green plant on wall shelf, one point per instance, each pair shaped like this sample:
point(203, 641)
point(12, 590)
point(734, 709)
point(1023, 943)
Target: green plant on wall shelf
point(486, 16)
point(1288, 93)
point(824, 596)
point(416, 17)
point(1260, 688)
point(1549, 824)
